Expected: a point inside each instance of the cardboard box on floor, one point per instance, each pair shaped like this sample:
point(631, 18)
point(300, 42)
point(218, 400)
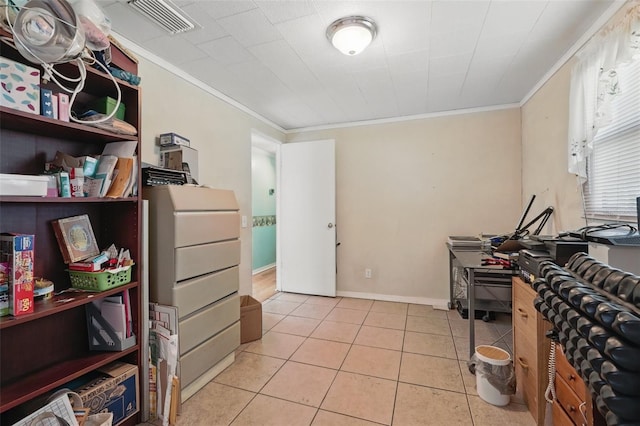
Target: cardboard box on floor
point(250, 319)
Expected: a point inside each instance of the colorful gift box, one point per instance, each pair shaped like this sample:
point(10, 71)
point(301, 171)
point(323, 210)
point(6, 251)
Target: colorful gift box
point(19, 86)
point(18, 251)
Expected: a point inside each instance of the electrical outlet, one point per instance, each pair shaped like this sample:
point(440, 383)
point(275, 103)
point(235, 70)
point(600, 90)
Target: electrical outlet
point(367, 273)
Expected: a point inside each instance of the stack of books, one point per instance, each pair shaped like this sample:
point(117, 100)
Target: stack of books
point(464, 241)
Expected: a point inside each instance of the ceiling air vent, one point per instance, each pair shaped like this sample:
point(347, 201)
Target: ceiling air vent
point(165, 14)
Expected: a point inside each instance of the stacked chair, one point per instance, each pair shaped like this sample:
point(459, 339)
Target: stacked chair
point(595, 311)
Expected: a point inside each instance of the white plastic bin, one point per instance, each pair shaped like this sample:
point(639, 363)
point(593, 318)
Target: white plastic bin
point(492, 356)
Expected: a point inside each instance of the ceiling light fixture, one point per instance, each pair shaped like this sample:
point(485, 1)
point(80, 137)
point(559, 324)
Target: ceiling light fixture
point(351, 35)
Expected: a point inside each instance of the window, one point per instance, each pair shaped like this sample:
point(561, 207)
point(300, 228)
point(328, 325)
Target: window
point(613, 168)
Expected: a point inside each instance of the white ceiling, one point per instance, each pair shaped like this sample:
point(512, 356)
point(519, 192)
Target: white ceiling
point(429, 56)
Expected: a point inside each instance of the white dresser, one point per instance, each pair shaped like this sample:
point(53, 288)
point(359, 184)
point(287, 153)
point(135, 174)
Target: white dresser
point(194, 253)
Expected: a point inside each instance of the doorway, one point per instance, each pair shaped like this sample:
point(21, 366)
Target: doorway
point(264, 219)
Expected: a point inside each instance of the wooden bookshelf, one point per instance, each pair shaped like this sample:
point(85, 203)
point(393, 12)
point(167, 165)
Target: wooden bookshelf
point(43, 351)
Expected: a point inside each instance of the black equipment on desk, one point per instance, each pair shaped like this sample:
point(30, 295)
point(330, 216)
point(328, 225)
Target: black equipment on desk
point(558, 250)
point(156, 176)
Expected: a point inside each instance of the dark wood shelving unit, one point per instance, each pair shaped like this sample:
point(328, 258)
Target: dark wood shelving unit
point(46, 350)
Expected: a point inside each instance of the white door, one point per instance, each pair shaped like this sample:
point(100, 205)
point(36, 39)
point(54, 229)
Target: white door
point(306, 220)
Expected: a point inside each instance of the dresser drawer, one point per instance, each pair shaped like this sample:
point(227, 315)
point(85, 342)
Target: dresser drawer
point(567, 398)
point(524, 313)
point(526, 369)
point(560, 418)
point(569, 374)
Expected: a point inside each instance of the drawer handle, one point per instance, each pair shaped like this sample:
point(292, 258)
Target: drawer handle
point(522, 363)
point(522, 313)
point(571, 408)
point(572, 377)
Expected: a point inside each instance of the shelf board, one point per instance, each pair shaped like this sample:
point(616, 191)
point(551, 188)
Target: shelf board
point(36, 384)
point(37, 124)
point(59, 303)
point(64, 200)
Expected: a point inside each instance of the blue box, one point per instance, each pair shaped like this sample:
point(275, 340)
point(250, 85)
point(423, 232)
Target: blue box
point(115, 390)
point(46, 103)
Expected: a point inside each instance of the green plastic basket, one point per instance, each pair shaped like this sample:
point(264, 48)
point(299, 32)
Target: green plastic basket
point(100, 281)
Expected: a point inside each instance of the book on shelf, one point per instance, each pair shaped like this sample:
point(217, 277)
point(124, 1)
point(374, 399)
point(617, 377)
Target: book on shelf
point(121, 178)
point(506, 255)
point(75, 238)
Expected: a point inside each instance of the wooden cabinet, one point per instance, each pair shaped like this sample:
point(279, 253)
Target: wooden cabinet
point(49, 348)
point(573, 402)
point(531, 349)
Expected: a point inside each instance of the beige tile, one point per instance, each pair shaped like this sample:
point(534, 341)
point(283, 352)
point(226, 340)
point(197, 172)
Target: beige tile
point(323, 300)
point(308, 310)
point(482, 330)
point(360, 304)
point(383, 363)
point(249, 371)
point(468, 378)
point(296, 325)
point(352, 316)
point(279, 345)
point(269, 320)
point(323, 353)
point(214, 404)
point(327, 418)
point(385, 338)
point(386, 320)
point(429, 344)
point(267, 411)
point(426, 311)
point(429, 325)
point(293, 297)
point(364, 397)
point(389, 307)
point(279, 307)
point(336, 331)
point(485, 414)
point(435, 372)
point(301, 383)
point(417, 405)
point(241, 348)
point(274, 296)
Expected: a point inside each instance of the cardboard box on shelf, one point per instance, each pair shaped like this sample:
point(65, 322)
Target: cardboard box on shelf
point(250, 319)
point(115, 390)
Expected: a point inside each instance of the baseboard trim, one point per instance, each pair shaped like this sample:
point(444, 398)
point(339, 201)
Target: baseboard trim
point(436, 303)
point(263, 268)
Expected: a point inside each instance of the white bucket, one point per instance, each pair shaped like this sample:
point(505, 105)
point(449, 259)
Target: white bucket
point(494, 356)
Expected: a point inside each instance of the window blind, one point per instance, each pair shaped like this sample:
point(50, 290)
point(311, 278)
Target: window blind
point(613, 169)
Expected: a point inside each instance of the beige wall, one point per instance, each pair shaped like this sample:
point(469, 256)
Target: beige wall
point(220, 132)
point(403, 187)
point(545, 120)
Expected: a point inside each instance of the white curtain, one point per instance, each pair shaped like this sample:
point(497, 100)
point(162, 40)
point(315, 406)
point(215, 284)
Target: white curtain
point(594, 83)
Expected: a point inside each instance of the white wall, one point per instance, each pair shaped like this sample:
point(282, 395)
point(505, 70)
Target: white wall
point(220, 132)
point(403, 187)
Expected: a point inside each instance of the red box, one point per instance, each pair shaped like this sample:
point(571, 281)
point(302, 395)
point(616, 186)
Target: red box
point(18, 251)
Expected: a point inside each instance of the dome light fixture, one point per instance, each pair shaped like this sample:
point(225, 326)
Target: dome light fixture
point(351, 35)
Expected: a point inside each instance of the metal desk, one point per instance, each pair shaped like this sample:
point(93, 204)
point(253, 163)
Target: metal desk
point(470, 260)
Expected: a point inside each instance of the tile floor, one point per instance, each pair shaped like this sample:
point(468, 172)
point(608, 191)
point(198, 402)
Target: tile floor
point(342, 361)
